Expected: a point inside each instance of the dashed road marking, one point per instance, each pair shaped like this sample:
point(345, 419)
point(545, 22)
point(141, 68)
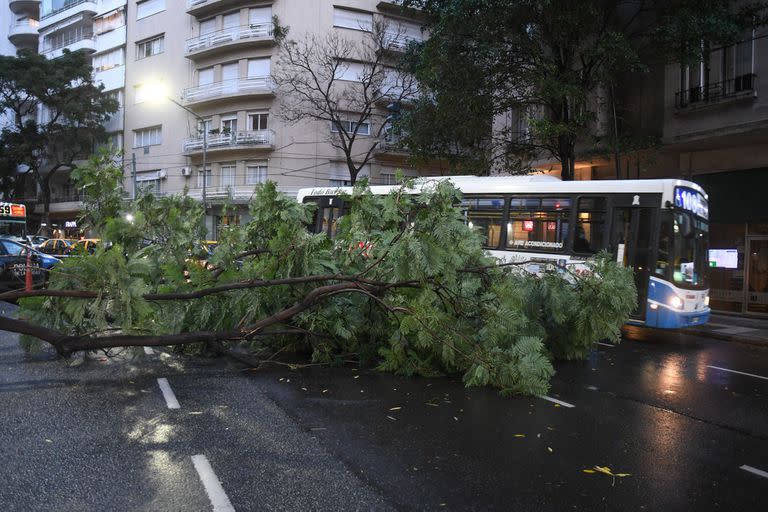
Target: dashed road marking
point(149, 351)
point(170, 398)
point(556, 401)
point(212, 485)
point(736, 371)
point(755, 471)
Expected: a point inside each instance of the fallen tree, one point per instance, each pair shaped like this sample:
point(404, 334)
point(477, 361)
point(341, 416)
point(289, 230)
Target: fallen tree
point(419, 297)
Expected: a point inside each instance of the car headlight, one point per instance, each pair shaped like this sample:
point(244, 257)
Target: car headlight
point(706, 300)
point(676, 302)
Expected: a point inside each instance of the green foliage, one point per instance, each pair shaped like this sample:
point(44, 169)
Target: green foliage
point(101, 180)
point(546, 60)
point(429, 301)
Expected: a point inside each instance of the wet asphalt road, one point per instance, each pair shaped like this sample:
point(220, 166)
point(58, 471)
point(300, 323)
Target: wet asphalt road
point(100, 436)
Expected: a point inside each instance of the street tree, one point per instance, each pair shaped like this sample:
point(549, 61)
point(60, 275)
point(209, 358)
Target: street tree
point(346, 84)
point(57, 113)
point(417, 298)
point(554, 63)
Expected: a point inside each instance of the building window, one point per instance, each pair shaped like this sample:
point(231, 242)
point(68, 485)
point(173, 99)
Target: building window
point(231, 20)
point(256, 173)
point(108, 60)
point(258, 68)
point(350, 127)
point(258, 121)
point(259, 16)
point(227, 176)
point(149, 182)
point(150, 47)
point(205, 76)
point(229, 124)
point(208, 26)
point(738, 65)
point(230, 71)
point(350, 71)
point(109, 22)
point(148, 137)
point(356, 20)
point(148, 8)
point(208, 176)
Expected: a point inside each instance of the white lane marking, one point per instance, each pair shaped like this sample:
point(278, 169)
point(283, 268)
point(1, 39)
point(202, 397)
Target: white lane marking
point(170, 398)
point(740, 373)
point(555, 400)
point(756, 471)
point(605, 344)
point(148, 351)
point(735, 330)
point(212, 485)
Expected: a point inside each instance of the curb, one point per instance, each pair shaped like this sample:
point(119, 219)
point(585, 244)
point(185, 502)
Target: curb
point(758, 342)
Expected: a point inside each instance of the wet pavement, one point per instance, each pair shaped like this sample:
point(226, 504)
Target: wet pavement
point(666, 410)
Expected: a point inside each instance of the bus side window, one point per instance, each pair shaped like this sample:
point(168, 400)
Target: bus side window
point(590, 225)
point(665, 246)
point(486, 214)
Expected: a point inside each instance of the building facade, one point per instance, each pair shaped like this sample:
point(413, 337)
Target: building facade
point(215, 59)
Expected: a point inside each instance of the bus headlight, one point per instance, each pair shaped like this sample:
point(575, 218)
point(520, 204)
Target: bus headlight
point(676, 302)
point(706, 300)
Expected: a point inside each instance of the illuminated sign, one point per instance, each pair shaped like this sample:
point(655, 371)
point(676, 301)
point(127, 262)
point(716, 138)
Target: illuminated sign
point(527, 225)
point(692, 201)
point(70, 224)
point(724, 258)
point(13, 210)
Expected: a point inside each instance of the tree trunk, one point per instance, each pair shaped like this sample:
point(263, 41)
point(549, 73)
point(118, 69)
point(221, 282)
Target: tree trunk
point(45, 193)
point(566, 155)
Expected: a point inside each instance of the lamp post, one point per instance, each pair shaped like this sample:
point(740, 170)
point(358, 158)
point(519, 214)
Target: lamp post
point(157, 89)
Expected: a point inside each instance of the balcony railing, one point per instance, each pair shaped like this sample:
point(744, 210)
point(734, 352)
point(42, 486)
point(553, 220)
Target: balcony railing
point(392, 143)
point(238, 86)
point(67, 5)
point(740, 86)
point(71, 39)
point(68, 196)
point(229, 36)
point(398, 42)
point(231, 140)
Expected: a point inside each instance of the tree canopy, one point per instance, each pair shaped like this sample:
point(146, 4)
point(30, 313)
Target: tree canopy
point(404, 286)
point(551, 62)
point(57, 113)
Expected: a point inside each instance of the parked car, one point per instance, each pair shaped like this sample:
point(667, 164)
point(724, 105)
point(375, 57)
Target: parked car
point(58, 247)
point(85, 245)
point(13, 265)
point(37, 240)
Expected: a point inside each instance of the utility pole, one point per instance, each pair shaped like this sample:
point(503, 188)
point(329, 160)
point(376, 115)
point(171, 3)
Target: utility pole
point(133, 171)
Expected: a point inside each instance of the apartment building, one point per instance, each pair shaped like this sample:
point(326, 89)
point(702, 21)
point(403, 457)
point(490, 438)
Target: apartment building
point(219, 133)
point(96, 27)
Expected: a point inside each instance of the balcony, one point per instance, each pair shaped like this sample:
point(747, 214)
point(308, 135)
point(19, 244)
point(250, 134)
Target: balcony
point(24, 32)
point(229, 38)
point(741, 87)
point(24, 6)
point(259, 139)
point(70, 8)
point(392, 143)
point(207, 7)
point(257, 86)
point(398, 42)
point(79, 40)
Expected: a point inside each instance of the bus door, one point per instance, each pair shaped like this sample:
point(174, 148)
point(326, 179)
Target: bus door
point(632, 239)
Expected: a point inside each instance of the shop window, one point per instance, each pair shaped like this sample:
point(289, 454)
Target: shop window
point(485, 214)
point(538, 224)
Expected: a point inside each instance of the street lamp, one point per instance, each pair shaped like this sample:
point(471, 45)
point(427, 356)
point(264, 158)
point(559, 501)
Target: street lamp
point(157, 91)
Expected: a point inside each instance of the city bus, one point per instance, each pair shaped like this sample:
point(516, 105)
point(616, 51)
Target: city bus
point(659, 228)
point(13, 220)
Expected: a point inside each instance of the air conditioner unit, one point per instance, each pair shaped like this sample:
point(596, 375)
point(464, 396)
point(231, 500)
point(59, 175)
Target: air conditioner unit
point(186, 171)
point(162, 174)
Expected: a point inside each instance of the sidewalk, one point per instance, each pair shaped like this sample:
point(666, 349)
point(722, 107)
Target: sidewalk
point(733, 328)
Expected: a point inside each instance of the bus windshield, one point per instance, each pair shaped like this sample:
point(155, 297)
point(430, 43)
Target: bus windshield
point(684, 243)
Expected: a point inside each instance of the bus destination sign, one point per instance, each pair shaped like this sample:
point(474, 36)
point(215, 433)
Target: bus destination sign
point(692, 201)
point(13, 210)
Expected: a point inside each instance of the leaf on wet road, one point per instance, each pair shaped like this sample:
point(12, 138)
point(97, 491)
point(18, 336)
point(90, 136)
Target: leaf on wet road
point(395, 408)
point(519, 435)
